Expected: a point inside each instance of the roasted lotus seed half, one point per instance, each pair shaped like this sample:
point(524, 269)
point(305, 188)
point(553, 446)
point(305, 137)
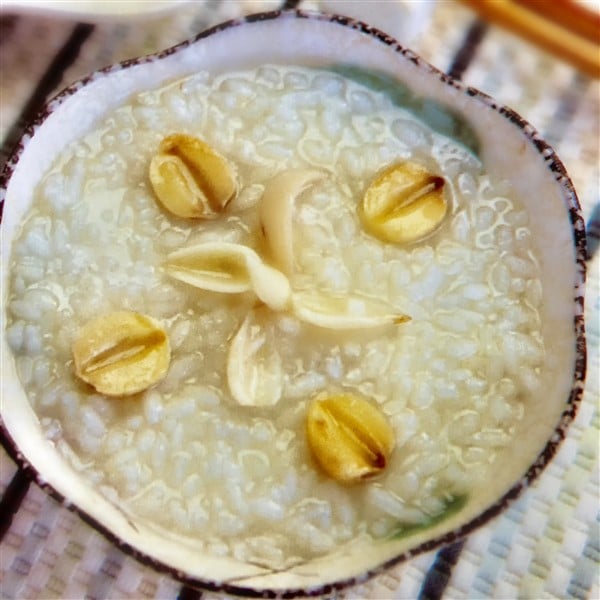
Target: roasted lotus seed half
point(191, 179)
point(350, 438)
point(404, 204)
point(121, 353)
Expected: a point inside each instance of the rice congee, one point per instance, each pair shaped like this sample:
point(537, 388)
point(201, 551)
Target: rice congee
point(276, 296)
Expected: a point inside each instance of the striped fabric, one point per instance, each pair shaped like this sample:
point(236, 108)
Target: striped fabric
point(546, 545)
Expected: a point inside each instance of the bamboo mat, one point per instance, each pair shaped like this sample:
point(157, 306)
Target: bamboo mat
point(547, 544)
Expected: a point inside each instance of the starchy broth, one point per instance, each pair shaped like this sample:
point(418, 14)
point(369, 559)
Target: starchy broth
point(453, 381)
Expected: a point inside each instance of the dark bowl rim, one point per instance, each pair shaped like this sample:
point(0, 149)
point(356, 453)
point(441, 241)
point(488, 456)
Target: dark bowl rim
point(553, 163)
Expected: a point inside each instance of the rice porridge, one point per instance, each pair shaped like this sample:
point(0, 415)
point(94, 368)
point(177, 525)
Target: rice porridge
point(186, 454)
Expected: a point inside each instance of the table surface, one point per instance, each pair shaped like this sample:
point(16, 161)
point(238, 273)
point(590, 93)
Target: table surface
point(547, 544)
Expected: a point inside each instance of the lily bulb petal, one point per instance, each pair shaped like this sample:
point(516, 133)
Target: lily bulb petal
point(254, 367)
point(343, 312)
point(270, 285)
point(276, 213)
point(229, 268)
point(404, 204)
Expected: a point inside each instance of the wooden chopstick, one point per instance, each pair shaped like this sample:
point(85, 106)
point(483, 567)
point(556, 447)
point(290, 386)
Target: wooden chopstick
point(562, 37)
point(569, 14)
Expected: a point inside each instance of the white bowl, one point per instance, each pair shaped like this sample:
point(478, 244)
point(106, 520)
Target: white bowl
point(92, 10)
point(509, 147)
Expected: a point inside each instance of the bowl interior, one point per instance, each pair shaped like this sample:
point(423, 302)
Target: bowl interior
point(509, 150)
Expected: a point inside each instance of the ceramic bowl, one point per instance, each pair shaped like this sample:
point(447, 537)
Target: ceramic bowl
point(509, 147)
point(92, 11)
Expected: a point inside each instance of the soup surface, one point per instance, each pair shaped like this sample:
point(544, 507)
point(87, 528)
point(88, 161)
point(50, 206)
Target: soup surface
point(240, 480)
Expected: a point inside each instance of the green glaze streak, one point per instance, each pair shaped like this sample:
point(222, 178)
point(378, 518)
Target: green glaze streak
point(441, 119)
point(453, 506)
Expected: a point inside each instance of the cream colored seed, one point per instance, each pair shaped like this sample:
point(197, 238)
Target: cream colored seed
point(349, 437)
point(404, 204)
point(121, 353)
point(191, 179)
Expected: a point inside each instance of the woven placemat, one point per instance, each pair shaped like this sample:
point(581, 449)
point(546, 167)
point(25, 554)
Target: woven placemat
point(547, 544)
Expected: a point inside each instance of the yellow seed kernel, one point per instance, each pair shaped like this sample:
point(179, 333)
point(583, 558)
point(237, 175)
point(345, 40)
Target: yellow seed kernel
point(349, 437)
point(404, 204)
point(121, 353)
point(191, 179)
